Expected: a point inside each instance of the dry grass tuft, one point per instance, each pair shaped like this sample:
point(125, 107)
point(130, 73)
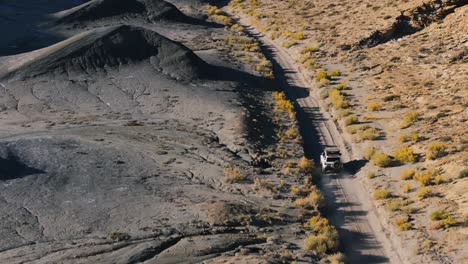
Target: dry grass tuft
point(233, 174)
point(436, 150)
point(381, 194)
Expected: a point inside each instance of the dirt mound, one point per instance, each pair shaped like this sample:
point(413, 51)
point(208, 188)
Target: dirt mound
point(151, 10)
point(412, 21)
point(109, 47)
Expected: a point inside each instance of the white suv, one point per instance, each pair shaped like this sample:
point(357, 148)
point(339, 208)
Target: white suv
point(331, 159)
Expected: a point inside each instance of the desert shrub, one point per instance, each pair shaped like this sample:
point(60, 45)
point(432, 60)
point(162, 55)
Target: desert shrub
point(395, 204)
point(413, 137)
point(238, 28)
point(341, 87)
point(448, 222)
point(310, 49)
point(371, 175)
point(298, 35)
point(351, 120)
point(320, 244)
point(306, 165)
point(337, 258)
point(292, 133)
point(222, 19)
point(317, 223)
point(381, 160)
point(381, 194)
point(403, 224)
point(369, 133)
point(439, 215)
point(407, 187)
point(426, 177)
point(353, 129)
point(322, 75)
point(374, 106)
point(445, 218)
point(438, 179)
point(334, 73)
point(283, 103)
point(424, 192)
point(408, 119)
point(405, 154)
point(423, 178)
point(436, 150)
point(407, 174)
point(463, 173)
point(338, 100)
point(369, 152)
point(233, 174)
point(314, 200)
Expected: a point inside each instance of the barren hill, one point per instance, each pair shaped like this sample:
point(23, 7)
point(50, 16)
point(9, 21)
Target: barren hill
point(149, 10)
point(109, 47)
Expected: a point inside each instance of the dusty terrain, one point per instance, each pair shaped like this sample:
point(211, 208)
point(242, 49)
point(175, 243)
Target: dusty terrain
point(395, 80)
point(133, 133)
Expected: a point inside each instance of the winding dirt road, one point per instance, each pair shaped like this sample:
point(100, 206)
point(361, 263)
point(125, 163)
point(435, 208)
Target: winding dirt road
point(350, 207)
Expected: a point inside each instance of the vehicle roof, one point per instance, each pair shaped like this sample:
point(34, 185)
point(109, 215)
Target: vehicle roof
point(332, 152)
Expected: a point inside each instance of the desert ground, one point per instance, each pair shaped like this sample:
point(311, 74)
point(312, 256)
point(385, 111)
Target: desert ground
point(189, 131)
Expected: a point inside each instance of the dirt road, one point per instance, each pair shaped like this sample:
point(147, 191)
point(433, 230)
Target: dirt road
point(349, 203)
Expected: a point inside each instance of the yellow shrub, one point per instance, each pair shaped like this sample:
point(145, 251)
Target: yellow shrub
point(369, 152)
point(426, 177)
point(322, 74)
point(341, 87)
point(405, 154)
point(317, 243)
point(408, 119)
point(317, 223)
point(381, 160)
point(283, 103)
point(369, 133)
point(351, 120)
point(374, 106)
point(310, 49)
point(306, 165)
point(325, 241)
point(436, 150)
point(413, 137)
point(403, 224)
point(439, 215)
point(292, 133)
point(395, 204)
point(424, 192)
point(314, 200)
point(337, 258)
point(334, 73)
point(407, 187)
point(407, 174)
point(338, 100)
point(381, 193)
point(232, 174)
